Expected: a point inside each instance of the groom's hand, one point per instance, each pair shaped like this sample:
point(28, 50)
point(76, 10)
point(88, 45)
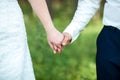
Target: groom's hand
point(67, 39)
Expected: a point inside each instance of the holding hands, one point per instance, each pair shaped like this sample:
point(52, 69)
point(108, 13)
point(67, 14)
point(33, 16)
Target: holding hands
point(58, 41)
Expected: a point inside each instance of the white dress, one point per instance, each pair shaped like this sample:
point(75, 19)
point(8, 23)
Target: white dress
point(15, 60)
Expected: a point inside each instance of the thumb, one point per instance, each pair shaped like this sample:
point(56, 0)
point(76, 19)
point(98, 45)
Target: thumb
point(67, 39)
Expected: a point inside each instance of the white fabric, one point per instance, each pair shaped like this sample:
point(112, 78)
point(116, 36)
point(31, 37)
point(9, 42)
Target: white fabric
point(15, 60)
point(87, 8)
point(112, 13)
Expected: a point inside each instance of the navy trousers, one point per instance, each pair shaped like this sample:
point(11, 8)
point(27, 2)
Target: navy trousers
point(108, 54)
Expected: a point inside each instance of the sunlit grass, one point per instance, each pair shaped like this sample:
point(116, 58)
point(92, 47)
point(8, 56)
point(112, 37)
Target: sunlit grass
point(77, 61)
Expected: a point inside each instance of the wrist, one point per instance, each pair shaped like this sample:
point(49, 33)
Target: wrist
point(50, 30)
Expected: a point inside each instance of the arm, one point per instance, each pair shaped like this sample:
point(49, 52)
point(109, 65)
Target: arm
point(41, 10)
point(85, 10)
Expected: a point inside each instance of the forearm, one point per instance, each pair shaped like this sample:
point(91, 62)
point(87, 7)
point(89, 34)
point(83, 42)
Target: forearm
point(41, 10)
point(54, 37)
point(85, 10)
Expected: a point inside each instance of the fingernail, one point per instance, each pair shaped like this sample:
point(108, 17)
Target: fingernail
point(54, 52)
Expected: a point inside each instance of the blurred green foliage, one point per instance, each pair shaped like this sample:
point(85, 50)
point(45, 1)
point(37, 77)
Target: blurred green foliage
point(77, 61)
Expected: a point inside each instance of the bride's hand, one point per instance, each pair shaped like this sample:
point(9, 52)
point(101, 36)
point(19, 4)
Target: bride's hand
point(55, 40)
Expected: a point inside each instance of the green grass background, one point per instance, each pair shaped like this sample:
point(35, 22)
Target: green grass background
point(77, 61)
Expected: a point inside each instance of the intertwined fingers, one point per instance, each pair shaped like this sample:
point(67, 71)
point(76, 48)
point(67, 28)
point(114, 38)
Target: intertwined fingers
point(57, 47)
point(67, 39)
